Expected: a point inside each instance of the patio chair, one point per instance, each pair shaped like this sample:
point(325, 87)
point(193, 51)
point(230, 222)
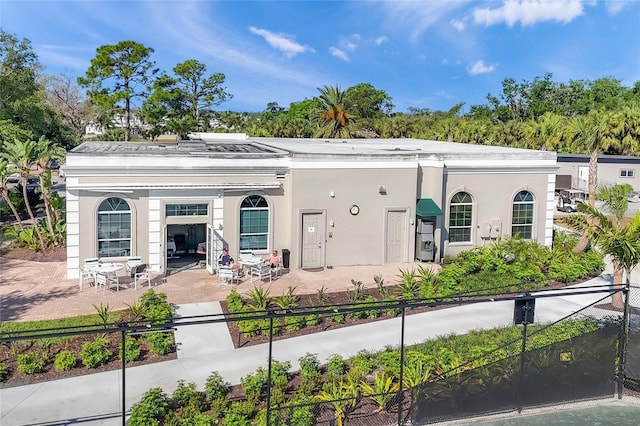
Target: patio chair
point(228, 275)
point(262, 271)
point(88, 271)
point(105, 280)
point(140, 273)
point(132, 262)
point(277, 270)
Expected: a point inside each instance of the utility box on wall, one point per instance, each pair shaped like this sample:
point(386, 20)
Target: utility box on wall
point(425, 243)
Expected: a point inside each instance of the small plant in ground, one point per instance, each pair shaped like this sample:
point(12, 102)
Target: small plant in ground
point(364, 362)
point(321, 296)
point(336, 367)
point(186, 394)
point(160, 343)
point(313, 319)
point(260, 299)
point(132, 350)
point(137, 311)
point(381, 391)
point(357, 293)
point(294, 323)
point(342, 395)
point(409, 286)
point(310, 373)
point(253, 384)
point(65, 360)
point(96, 353)
point(234, 302)
point(239, 413)
point(336, 316)
point(45, 347)
point(303, 409)
point(372, 313)
point(104, 312)
point(380, 284)
point(30, 363)
point(150, 410)
point(288, 300)
point(215, 387)
point(4, 371)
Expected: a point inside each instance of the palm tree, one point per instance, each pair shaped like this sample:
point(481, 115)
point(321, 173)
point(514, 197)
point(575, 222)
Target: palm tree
point(333, 115)
point(617, 239)
point(45, 151)
point(24, 156)
point(5, 171)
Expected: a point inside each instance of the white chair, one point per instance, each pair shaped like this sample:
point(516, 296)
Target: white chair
point(140, 273)
point(262, 271)
point(105, 280)
point(277, 270)
point(228, 275)
point(132, 262)
point(88, 271)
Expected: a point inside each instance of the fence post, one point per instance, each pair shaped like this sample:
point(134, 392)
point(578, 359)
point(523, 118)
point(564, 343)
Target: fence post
point(522, 352)
point(401, 389)
point(270, 316)
point(624, 338)
point(123, 351)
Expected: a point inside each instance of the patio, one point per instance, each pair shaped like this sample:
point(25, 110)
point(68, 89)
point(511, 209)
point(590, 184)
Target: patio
point(39, 290)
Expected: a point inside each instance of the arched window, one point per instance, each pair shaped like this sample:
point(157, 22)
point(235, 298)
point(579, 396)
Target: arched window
point(460, 218)
point(522, 216)
point(254, 223)
point(114, 228)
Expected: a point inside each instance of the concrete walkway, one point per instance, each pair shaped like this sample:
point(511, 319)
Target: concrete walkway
point(202, 349)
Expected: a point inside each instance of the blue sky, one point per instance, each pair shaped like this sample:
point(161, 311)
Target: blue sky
point(424, 54)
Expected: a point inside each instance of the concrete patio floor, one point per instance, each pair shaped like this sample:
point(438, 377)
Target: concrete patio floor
point(39, 290)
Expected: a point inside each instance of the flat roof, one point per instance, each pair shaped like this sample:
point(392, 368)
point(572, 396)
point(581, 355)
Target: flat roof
point(231, 147)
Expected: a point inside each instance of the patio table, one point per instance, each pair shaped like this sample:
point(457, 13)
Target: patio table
point(108, 270)
point(249, 261)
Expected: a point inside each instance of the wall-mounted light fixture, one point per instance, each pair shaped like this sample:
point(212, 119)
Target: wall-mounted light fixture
point(331, 224)
point(332, 194)
point(382, 190)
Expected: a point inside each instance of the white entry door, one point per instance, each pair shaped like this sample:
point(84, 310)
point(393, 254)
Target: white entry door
point(396, 236)
point(312, 240)
point(215, 244)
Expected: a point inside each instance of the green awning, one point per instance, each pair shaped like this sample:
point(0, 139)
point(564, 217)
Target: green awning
point(427, 207)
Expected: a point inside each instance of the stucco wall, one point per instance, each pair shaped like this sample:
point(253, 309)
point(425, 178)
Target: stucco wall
point(355, 239)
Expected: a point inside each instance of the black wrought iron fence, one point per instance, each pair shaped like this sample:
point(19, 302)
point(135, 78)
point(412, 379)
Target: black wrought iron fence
point(561, 357)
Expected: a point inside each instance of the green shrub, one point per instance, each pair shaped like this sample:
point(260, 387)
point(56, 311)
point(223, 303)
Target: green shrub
point(309, 364)
point(336, 367)
point(160, 343)
point(234, 302)
point(302, 413)
point(150, 410)
point(294, 323)
point(188, 415)
point(4, 371)
point(30, 363)
point(335, 316)
point(374, 312)
point(96, 353)
point(65, 361)
point(131, 349)
point(215, 387)
point(239, 413)
point(313, 319)
point(364, 362)
point(186, 394)
point(254, 384)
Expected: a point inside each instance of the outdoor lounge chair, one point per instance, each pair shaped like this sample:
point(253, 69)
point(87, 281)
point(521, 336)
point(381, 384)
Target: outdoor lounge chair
point(140, 273)
point(88, 271)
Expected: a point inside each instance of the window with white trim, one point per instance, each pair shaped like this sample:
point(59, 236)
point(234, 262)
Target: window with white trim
point(628, 173)
point(114, 228)
point(460, 218)
point(186, 209)
point(522, 215)
point(254, 223)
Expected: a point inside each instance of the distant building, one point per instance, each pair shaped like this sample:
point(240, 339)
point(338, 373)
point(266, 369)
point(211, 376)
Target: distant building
point(327, 202)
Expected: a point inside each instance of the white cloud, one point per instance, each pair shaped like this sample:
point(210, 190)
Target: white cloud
point(348, 45)
point(340, 54)
point(458, 25)
point(480, 68)
point(281, 42)
point(615, 6)
point(529, 12)
point(379, 40)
